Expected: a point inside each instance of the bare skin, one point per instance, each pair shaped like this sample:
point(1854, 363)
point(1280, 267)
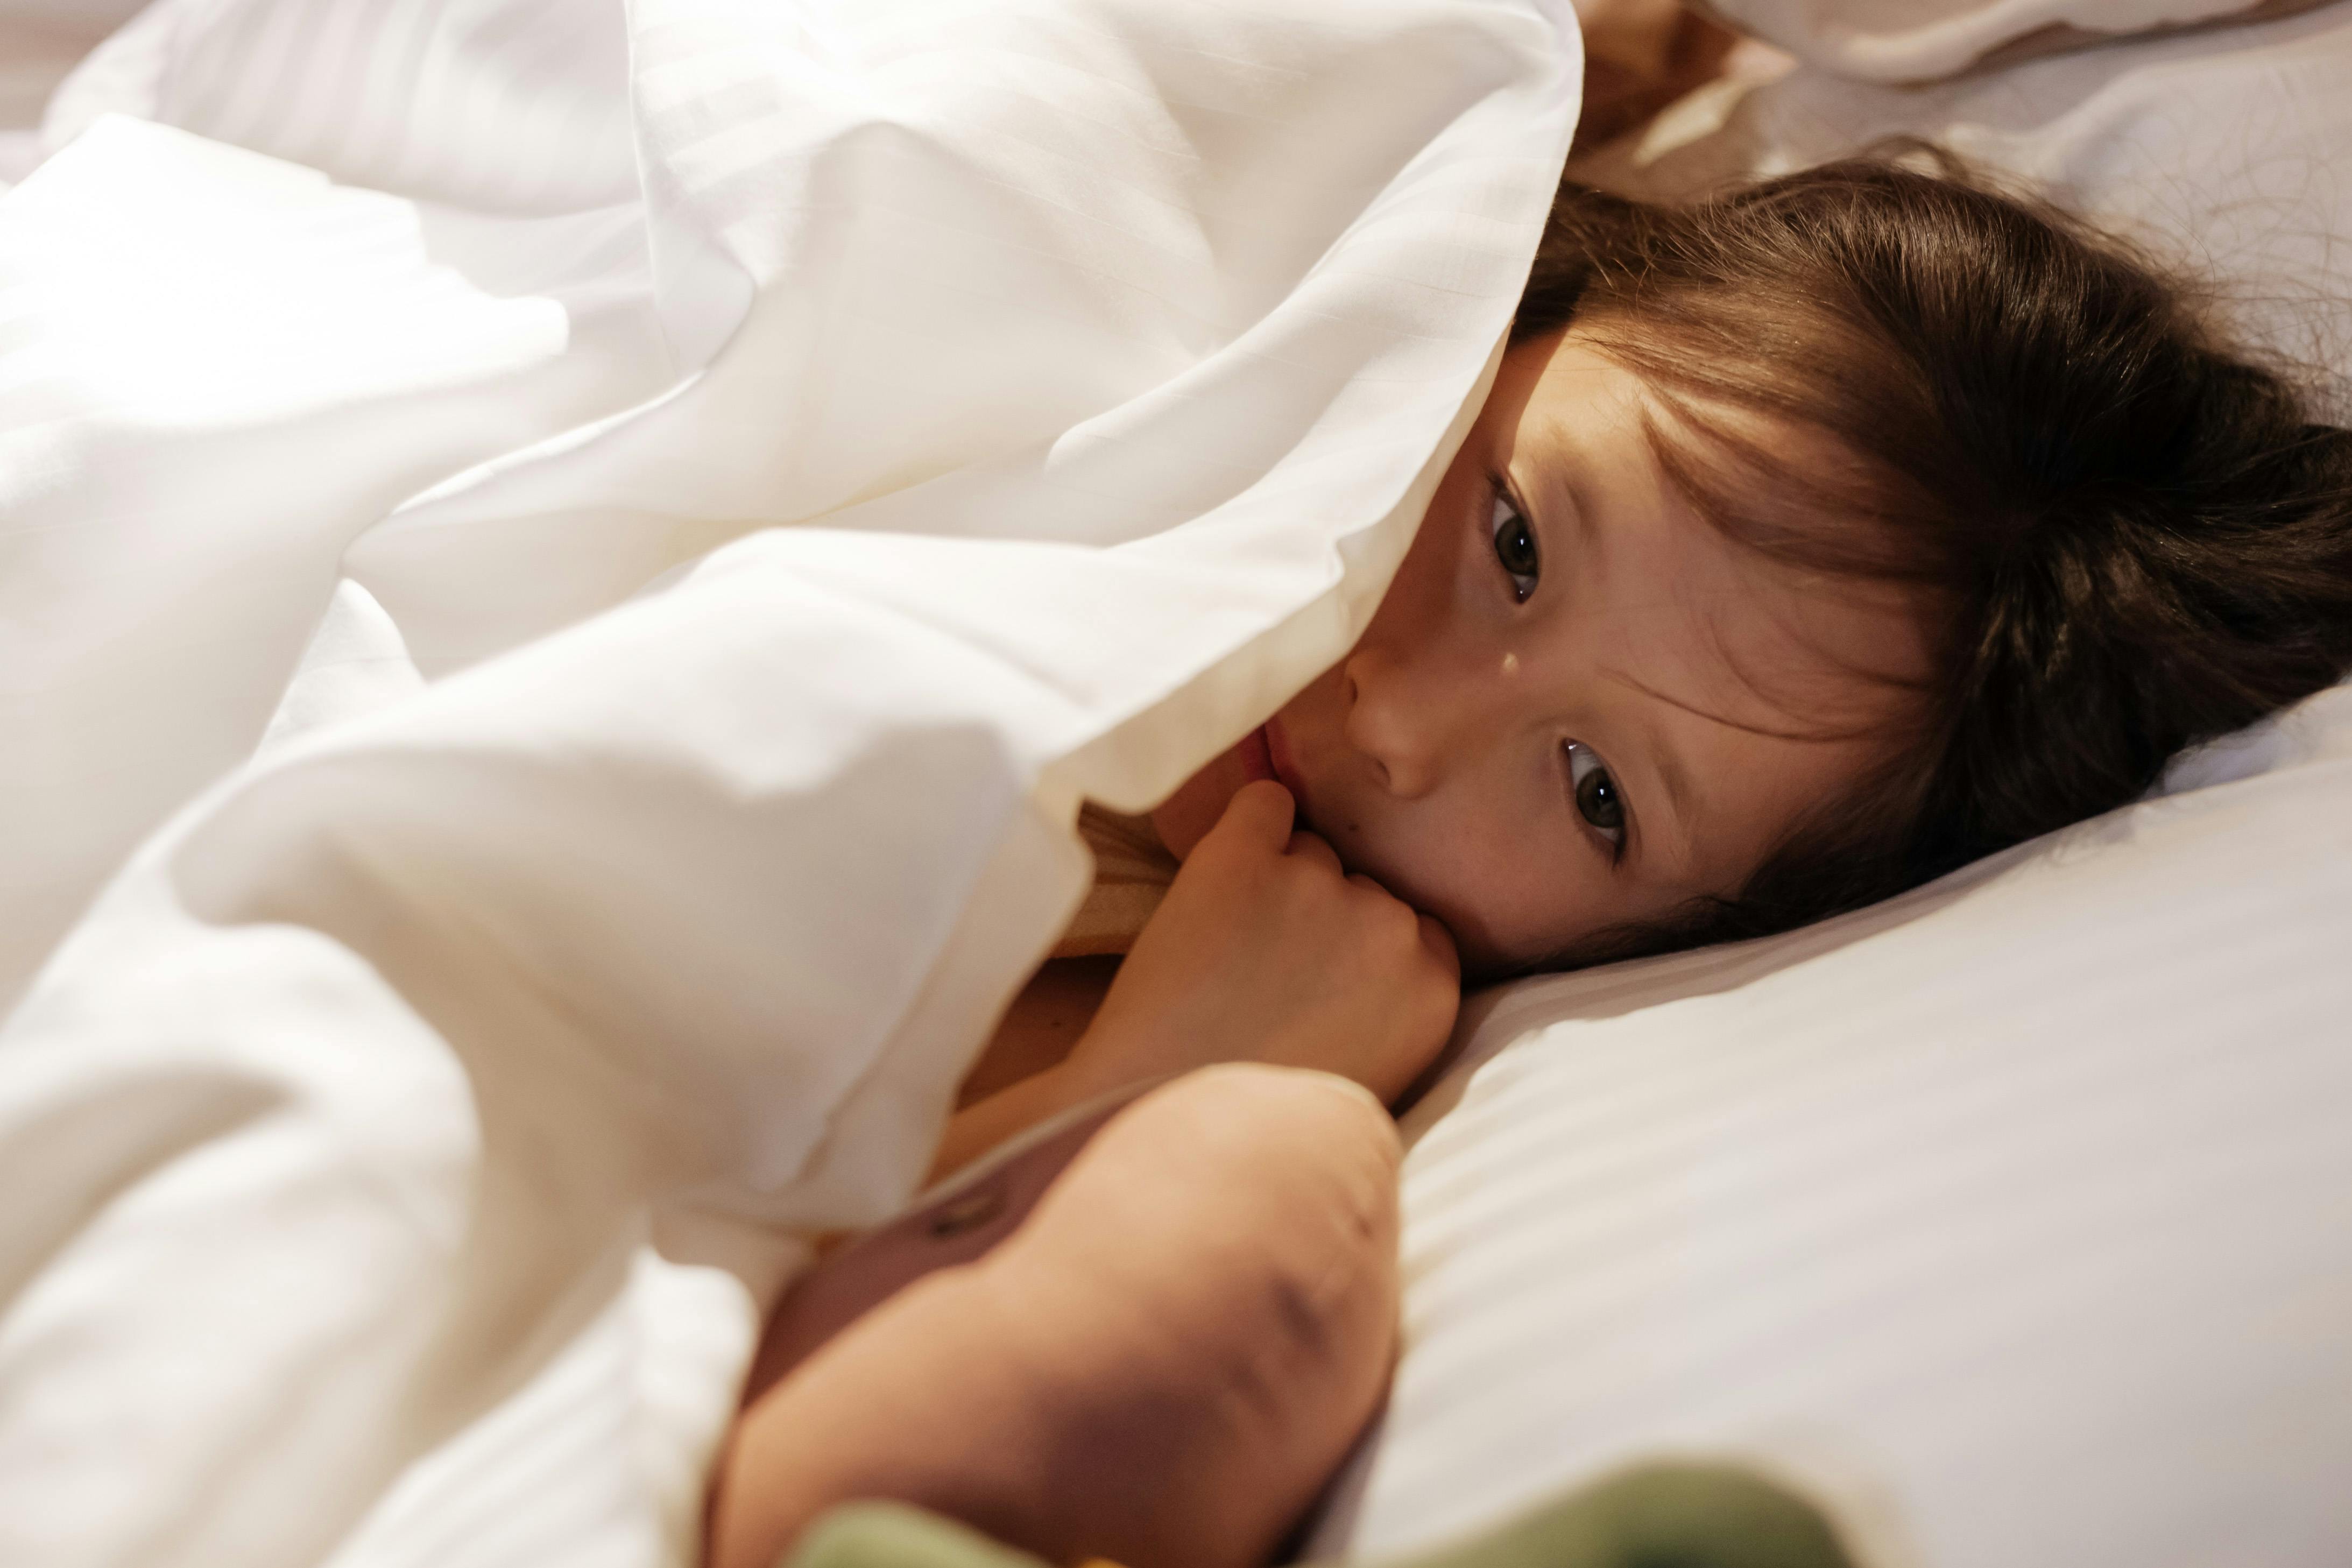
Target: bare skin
point(1313, 968)
point(1639, 57)
point(1579, 705)
point(1109, 1363)
point(1701, 697)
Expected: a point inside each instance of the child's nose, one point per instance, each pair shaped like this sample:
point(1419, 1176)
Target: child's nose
point(1410, 720)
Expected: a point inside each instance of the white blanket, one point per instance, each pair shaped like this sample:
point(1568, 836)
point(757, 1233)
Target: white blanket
point(400, 1150)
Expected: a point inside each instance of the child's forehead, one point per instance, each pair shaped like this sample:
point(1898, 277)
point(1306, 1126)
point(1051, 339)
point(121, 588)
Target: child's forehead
point(1704, 614)
point(1557, 382)
point(1568, 398)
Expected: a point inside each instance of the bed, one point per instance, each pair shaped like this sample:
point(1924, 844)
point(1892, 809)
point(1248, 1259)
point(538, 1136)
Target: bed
point(547, 745)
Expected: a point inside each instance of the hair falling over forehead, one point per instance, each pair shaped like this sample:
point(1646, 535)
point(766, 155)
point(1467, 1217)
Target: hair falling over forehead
point(2128, 537)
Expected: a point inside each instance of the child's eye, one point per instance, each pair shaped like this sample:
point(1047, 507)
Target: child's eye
point(1515, 547)
point(1595, 789)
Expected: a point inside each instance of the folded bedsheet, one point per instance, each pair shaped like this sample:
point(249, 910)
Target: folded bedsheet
point(567, 570)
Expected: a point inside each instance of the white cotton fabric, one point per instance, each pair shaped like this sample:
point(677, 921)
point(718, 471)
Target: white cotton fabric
point(1925, 40)
point(2222, 152)
point(636, 527)
point(2011, 1220)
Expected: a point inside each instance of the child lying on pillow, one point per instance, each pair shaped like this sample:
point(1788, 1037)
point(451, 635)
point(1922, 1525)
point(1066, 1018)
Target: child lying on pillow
point(1811, 542)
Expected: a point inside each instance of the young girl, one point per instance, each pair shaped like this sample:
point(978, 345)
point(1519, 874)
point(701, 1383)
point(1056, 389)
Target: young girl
point(1812, 541)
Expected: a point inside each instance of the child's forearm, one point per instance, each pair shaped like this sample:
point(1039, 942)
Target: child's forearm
point(976, 1129)
point(1158, 1371)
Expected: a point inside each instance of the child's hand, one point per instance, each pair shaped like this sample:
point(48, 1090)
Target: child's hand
point(1265, 951)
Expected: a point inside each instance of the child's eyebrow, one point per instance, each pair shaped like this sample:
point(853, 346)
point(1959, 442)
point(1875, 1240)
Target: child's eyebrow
point(1553, 501)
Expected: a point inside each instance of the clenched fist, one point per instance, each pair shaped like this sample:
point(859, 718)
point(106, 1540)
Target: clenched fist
point(1266, 950)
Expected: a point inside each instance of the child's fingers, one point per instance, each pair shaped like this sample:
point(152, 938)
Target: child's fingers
point(1440, 943)
point(1434, 934)
point(1259, 815)
point(1312, 846)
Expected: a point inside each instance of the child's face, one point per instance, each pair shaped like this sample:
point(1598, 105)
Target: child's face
point(1580, 704)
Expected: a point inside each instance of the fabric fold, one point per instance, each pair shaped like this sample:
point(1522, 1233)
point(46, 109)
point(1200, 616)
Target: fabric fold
point(746, 648)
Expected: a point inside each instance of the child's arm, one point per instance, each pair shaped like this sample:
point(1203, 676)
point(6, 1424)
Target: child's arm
point(1263, 951)
point(1159, 1362)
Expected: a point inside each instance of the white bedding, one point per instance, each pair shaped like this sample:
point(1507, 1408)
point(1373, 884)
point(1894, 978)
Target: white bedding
point(398, 1154)
point(2223, 151)
point(1923, 40)
point(401, 1147)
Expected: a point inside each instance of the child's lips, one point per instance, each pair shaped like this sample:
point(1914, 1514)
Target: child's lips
point(1256, 756)
point(1278, 763)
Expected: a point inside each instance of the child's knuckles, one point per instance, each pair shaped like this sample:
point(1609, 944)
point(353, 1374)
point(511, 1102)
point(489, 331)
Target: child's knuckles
point(1375, 902)
point(1399, 927)
point(1309, 897)
point(1373, 939)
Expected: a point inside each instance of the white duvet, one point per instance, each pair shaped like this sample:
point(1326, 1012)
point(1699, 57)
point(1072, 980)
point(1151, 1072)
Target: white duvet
point(553, 887)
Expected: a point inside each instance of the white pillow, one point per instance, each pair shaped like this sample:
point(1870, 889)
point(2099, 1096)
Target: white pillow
point(2013, 1218)
point(1921, 40)
point(2223, 152)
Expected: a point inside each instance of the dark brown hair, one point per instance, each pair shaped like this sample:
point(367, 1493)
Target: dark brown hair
point(2131, 536)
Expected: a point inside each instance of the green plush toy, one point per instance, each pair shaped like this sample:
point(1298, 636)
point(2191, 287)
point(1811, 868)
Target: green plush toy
point(1654, 1516)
